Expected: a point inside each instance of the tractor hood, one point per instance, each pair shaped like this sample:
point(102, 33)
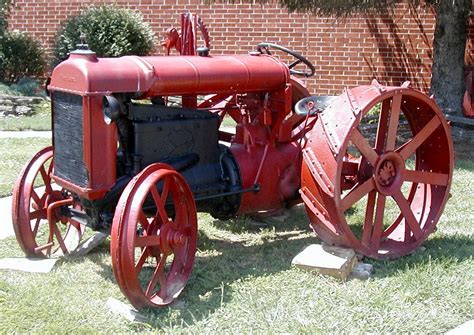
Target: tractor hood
point(86, 75)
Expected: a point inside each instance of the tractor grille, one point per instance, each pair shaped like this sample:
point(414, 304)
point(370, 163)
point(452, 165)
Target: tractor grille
point(68, 139)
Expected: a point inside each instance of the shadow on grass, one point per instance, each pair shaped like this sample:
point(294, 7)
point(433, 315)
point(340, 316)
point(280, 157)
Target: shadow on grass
point(211, 282)
point(292, 219)
point(438, 249)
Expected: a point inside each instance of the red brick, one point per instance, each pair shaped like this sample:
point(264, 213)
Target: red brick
point(346, 53)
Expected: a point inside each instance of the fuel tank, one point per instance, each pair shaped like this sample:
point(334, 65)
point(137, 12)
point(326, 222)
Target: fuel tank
point(85, 74)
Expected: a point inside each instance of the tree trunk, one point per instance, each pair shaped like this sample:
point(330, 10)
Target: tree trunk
point(449, 44)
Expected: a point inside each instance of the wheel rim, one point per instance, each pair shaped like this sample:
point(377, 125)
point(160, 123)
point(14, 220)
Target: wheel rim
point(153, 252)
point(37, 236)
point(398, 187)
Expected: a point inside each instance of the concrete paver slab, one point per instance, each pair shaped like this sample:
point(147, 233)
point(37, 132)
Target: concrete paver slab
point(464, 329)
point(25, 134)
point(6, 227)
point(127, 311)
point(89, 244)
point(28, 265)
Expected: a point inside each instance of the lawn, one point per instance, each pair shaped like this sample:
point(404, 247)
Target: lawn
point(242, 281)
point(14, 154)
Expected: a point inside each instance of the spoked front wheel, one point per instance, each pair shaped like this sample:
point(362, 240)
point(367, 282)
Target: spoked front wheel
point(154, 237)
point(40, 227)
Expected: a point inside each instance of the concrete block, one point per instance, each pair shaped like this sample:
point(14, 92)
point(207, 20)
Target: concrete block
point(28, 265)
point(125, 310)
point(282, 216)
point(178, 304)
point(362, 271)
point(327, 260)
point(89, 244)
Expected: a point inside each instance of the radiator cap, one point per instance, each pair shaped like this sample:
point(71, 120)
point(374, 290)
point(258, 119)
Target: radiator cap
point(82, 49)
point(203, 51)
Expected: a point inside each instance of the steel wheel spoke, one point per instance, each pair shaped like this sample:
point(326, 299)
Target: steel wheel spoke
point(35, 229)
point(393, 124)
point(50, 242)
point(165, 191)
point(75, 224)
point(47, 246)
point(383, 126)
point(157, 276)
point(378, 222)
point(424, 177)
point(155, 223)
point(35, 197)
point(141, 261)
point(60, 239)
point(38, 214)
point(410, 147)
point(357, 193)
point(50, 168)
point(143, 220)
point(160, 208)
point(410, 218)
point(147, 241)
point(364, 147)
point(47, 180)
point(369, 217)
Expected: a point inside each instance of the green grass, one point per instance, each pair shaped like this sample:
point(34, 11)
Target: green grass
point(228, 122)
point(242, 282)
point(14, 155)
point(41, 120)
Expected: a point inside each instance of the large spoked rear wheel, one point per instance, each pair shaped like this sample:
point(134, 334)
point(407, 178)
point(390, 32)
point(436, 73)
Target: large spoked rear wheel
point(154, 237)
point(383, 194)
point(34, 192)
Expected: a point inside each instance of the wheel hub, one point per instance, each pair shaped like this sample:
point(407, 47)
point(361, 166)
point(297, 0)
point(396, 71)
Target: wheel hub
point(171, 238)
point(175, 238)
point(388, 173)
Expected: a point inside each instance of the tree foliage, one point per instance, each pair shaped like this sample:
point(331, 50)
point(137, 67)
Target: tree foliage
point(343, 8)
point(110, 32)
point(3, 15)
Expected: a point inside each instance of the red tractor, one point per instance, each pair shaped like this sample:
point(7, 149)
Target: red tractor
point(125, 160)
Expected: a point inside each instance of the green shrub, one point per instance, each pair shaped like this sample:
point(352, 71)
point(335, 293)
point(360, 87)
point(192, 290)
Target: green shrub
point(110, 32)
point(20, 56)
point(28, 86)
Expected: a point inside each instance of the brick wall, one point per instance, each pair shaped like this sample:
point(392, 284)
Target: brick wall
point(392, 47)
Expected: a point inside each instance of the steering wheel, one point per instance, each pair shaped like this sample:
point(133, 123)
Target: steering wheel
point(265, 48)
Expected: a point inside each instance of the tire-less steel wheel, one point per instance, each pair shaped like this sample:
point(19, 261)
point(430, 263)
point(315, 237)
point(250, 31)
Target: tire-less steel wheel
point(379, 194)
point(154, 237)
point(40, 228)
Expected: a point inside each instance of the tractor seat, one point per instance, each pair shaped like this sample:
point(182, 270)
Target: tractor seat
point(313, 104)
